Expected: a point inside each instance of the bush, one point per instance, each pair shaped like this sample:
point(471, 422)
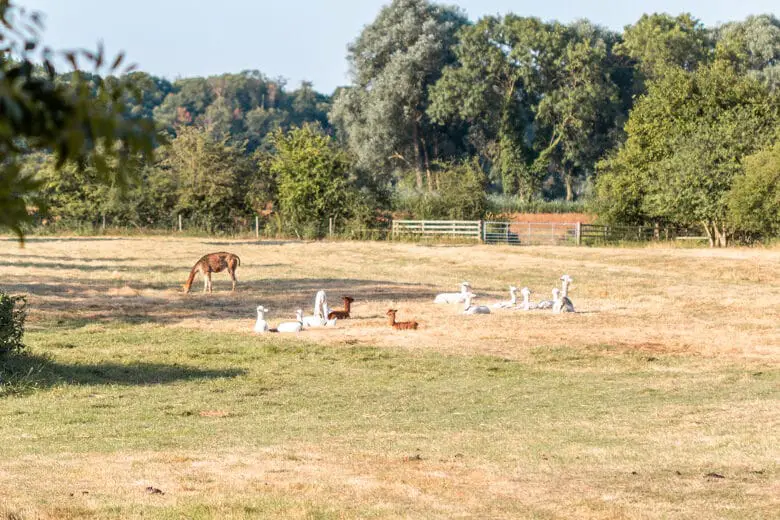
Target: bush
point(754, 199)
point(13, 312)
point(460, 195)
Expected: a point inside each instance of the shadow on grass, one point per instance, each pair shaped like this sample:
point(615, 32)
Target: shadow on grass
point(24, 372)
point(75, 302)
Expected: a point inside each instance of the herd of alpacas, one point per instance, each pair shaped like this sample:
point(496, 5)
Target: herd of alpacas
point(324, 316)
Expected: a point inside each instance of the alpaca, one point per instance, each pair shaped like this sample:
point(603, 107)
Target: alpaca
point(511, 303)
point(292, 326)
point(213, 263)
point(565, 281)
point(342, 314)
point(457, 297)
point(474, 309)
point(321, 311)
point(261, 325)
point(563, 303)
point(527, 305)
point(400, 325)
point(548, 304)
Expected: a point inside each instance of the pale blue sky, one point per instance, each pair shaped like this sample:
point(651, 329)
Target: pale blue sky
point(299, 39)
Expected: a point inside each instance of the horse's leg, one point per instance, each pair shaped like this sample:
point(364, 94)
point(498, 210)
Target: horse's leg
point(232, 274)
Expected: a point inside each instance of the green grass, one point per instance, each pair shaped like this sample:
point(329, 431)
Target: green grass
point(631, 422)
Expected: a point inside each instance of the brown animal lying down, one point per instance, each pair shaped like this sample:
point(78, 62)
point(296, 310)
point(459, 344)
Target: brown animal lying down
point(400, 325)
point(213, 263)
point(342, 314)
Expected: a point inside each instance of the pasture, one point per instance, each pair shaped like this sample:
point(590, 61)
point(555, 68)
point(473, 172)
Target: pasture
point(659, 398)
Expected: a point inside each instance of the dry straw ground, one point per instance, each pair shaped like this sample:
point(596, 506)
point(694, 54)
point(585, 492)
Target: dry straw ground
point(709, 319)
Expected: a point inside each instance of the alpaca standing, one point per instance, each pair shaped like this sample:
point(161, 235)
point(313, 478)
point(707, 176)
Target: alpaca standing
point(400, 325)
point(213, 263)
point(342, 314)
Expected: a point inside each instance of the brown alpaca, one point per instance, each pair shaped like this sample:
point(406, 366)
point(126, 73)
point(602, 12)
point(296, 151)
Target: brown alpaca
point(342, 314)
point(400, 325)
point(213, 263)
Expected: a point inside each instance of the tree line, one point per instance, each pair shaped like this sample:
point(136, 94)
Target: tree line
point(667, 122)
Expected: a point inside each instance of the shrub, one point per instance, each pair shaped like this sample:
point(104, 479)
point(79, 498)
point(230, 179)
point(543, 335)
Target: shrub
point(13, 312)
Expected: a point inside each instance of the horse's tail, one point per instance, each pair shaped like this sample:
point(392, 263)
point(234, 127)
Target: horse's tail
point(191, 278)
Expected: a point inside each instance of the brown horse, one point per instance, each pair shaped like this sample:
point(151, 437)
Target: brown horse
point(213, 263)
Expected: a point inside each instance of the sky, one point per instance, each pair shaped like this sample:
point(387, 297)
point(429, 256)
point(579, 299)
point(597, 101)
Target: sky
point(299, 39)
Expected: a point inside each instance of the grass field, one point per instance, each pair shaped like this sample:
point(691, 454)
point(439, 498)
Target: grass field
point(659, 398)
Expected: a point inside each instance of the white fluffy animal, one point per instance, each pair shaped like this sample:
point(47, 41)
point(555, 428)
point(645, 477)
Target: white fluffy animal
point(474, 309)
point(565, 281)
point(548, 304)
point(511, 303)
point(321, 310)
point(261, 326)
point(563, 303)
point(526, 305)
point(454, 297)
point(292, 326)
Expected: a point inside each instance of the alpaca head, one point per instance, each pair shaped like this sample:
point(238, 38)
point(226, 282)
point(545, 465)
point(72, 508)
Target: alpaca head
point(512, 289)
point(526, 292)
point(260, 309)
point(347, 299)
point(464, 287)
point(567, 279)
point(391, 312)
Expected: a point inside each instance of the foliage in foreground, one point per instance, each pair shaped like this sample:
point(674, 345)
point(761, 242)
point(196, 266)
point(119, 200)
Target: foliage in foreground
point(13, 313)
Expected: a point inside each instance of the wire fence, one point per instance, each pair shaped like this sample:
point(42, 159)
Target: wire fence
point(469, 231)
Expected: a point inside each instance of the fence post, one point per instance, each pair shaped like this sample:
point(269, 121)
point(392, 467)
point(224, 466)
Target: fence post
point(104, 221)
point(578, 233)
point(330, 226)
point(257, 226)
point(482, 230)
point(179, 222)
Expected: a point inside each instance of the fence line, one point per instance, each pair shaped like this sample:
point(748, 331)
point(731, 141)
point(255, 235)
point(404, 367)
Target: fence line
point(467, 229)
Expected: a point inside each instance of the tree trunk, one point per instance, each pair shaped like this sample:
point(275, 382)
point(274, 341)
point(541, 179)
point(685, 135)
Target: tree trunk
point(568, 179)
point(417, 161)
point(427, 164)
point(709, 232)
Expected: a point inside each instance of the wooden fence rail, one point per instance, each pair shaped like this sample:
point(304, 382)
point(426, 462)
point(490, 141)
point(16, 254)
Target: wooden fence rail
point(467, 229)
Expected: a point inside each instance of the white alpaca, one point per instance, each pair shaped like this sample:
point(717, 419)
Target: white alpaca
point(548, 304)
point(454, 297)
point(261, 326)
point(511, 303)
point(565, 281)
point(321, 310)
point(527, 305)
point(292, 326)
point(474, 309)
point(564, 304)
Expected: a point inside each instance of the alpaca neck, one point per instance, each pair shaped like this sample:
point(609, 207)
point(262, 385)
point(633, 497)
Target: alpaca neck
point(391, 319)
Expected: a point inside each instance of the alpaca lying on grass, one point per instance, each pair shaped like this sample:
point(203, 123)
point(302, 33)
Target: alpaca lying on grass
point(400, 325)
point(213, 263)
point(342, 314)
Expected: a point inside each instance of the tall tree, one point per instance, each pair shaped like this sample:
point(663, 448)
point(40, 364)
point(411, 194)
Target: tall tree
point(753, 47)
point(393, 62)
point(659, 41)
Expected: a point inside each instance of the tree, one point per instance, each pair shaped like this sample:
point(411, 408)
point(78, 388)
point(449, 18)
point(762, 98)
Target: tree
point(312, 175)
point(754, 199)
point(394, 61)
point(211, 177)
point(752, 47)
point(540, 95)
point(82, 122)
point(658, 42)
point(686, 141)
